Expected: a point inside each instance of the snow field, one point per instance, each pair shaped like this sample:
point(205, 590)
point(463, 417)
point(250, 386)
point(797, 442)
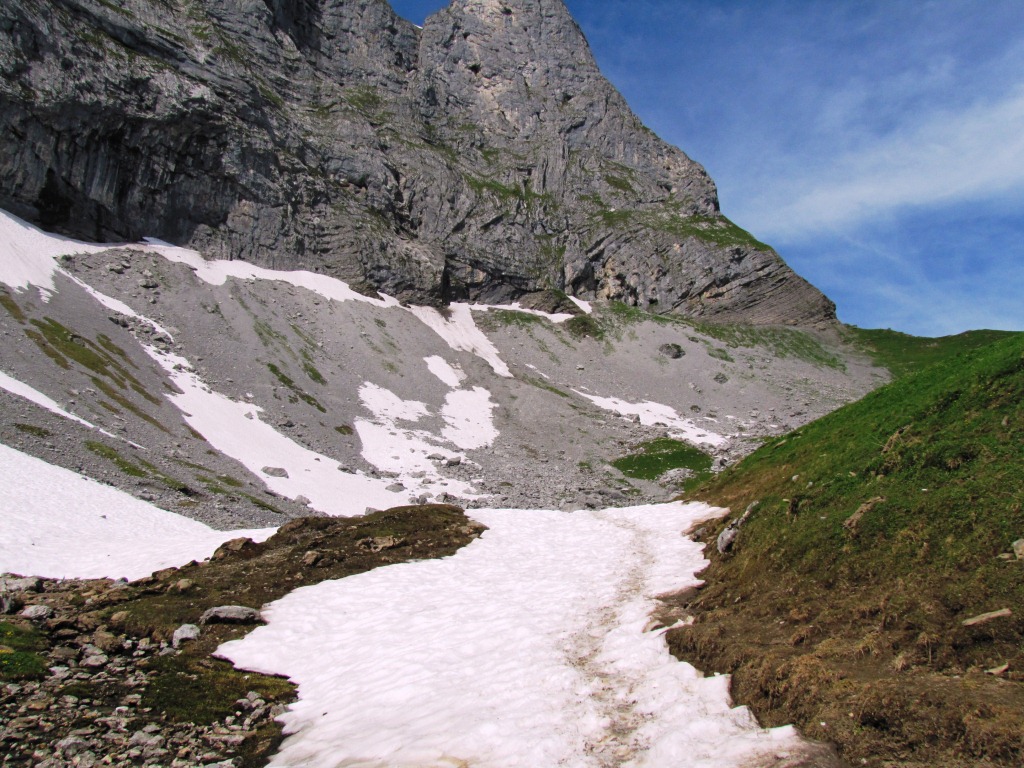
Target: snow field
point(27, 254)
point(525, 648)
point(60, 524)
point(217, 273)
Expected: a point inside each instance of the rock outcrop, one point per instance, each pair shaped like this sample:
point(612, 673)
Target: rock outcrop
point(483, 157)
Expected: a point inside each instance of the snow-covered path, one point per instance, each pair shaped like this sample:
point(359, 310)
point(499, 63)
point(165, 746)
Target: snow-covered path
point(526, 648)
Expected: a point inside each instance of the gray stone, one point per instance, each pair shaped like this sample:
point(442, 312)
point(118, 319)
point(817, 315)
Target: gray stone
point(37, 612)
point(184, 633)
point(10, 583)
point(673, 351)
point(537, 130)
point(230, 614)
point(275, 471)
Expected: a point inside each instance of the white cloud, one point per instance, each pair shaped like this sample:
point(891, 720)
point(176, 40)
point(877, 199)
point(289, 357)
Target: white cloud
point(942, 158)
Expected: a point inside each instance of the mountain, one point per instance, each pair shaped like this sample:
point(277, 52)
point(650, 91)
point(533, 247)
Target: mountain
point(483, 157)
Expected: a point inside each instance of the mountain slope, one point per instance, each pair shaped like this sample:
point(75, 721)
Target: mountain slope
point(881, 529)
point(482, 157)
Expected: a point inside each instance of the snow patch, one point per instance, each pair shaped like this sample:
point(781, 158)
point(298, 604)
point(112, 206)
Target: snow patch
point(657, 414)
point(62, 525)
point(27, 254)
point(469, 415)
point(217, 272)
point(443, 370)
point(405, 453)
point(556, 318)
point(21, 389)
point(411, 664)
point(461, 334)
point(235, 429)
point(584, 305)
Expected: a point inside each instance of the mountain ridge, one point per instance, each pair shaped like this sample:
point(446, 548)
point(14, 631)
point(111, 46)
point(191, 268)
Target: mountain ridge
point(483, 157)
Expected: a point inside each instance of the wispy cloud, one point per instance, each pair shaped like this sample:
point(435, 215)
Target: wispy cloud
point(946, 157)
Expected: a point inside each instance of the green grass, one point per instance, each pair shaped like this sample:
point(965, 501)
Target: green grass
point(297, 391)
point(943, 446)
point(584, 327)
point(18, 657)
point(880, 529)
point(903, 354)
point(782, 342)
point(659, 456)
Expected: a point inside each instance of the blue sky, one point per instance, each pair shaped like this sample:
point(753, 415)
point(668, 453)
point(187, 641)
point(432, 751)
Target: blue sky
point(878, 145)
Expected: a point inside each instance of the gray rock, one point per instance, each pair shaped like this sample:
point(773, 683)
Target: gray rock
point(10, 583)
point(275, 471)
point(37, 612)
point(230, 614)
point(342, 156)
point(673, 351)
point(184, 633)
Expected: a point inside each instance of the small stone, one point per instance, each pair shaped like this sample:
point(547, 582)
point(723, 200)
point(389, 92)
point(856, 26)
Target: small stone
point(37, 612)
point(242, 546)
point(304, 501)
point(672, 351)
point(454, 461)
point(1018, 549)
point(118, 619)
point(998, 671)
point(380, 543)
point(395, 488)
point(275, 471)
point(94, 660)
point(183, 633)
point(230, 614)
point(311, 558)
point(183, 585)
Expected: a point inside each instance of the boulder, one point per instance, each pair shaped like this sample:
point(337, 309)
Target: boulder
point(230, 614)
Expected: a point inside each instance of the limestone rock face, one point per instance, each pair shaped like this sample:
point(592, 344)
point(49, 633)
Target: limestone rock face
point(483, 157)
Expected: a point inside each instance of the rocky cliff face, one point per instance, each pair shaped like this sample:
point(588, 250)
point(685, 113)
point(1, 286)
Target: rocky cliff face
point(482, 157)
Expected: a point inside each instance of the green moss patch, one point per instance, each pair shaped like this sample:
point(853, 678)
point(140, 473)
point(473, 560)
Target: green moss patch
point(18, 657)
point(659, 456)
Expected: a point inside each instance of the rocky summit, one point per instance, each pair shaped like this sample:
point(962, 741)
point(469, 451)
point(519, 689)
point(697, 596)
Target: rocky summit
point(483, 157)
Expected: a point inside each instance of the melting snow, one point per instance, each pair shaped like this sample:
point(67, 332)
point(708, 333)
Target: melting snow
point(447, 373)
point(57, 523)
point(20, 389)
point(526, 648)
point(461, 334)
point(405, 453)
point(559, 317)
point(236, 430)
point(469, 415)
point(654, 414)
point(217, 273)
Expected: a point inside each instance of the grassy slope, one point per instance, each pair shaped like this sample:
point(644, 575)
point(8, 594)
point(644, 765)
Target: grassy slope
point(855, 631)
